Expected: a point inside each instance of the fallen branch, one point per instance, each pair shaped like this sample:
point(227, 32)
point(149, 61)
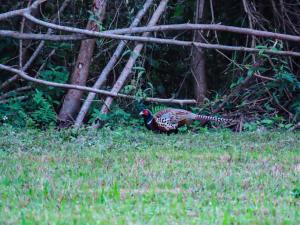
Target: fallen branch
point(263, 77)
point(233, 93)
point(296, 127)
point(20, 98)
point(125, 74)
point(98, 91)
point(14, 92)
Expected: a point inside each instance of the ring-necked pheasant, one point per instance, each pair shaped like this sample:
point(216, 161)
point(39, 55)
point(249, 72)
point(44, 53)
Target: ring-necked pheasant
point(169, 120)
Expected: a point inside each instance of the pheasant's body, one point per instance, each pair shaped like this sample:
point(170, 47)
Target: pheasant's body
point(169, 120)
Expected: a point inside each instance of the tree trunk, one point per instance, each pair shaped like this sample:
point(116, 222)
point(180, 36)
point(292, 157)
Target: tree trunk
point(198, 59)
point(71, 103)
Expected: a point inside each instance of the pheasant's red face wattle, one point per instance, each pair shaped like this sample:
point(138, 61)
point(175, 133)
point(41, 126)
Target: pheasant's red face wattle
point(145, 112)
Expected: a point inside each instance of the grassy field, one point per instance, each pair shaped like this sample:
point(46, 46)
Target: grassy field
point(136, 177)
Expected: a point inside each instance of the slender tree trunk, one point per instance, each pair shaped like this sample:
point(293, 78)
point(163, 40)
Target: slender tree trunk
point(198, 59)
point(71, 103)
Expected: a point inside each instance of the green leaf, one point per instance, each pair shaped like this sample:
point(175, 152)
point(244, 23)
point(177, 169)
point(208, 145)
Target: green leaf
point(267, 122)
point(179, 9)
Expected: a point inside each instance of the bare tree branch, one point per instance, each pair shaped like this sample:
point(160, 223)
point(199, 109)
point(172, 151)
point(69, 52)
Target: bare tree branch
point(161, 41)
point(88, 89)
point(19, 12)
point(16, 91)
point(45, 37)
point(217, 27)
point(39, 47)
point(20, 98)
point(109, 34)
point(114, 34)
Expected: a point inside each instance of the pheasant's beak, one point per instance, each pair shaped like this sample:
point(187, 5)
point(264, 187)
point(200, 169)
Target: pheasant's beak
point(141, 113)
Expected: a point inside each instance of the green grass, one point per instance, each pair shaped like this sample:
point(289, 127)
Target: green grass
point(136, 177)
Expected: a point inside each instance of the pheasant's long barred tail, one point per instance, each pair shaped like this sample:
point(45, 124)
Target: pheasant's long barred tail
point(212, 118)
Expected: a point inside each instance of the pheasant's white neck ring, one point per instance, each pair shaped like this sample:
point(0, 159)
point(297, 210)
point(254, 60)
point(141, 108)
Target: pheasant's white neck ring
point(150, 121)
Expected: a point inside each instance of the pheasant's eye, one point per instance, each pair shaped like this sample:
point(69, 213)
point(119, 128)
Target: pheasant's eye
point(146, 112)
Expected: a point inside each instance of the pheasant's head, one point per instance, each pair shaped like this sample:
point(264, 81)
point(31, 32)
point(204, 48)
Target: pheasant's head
point(148, 118)
point(145, 113)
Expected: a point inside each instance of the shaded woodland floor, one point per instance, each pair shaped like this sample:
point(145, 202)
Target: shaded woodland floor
point(136, 177)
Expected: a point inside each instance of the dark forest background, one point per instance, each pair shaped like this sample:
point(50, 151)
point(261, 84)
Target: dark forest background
point(262, 89)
